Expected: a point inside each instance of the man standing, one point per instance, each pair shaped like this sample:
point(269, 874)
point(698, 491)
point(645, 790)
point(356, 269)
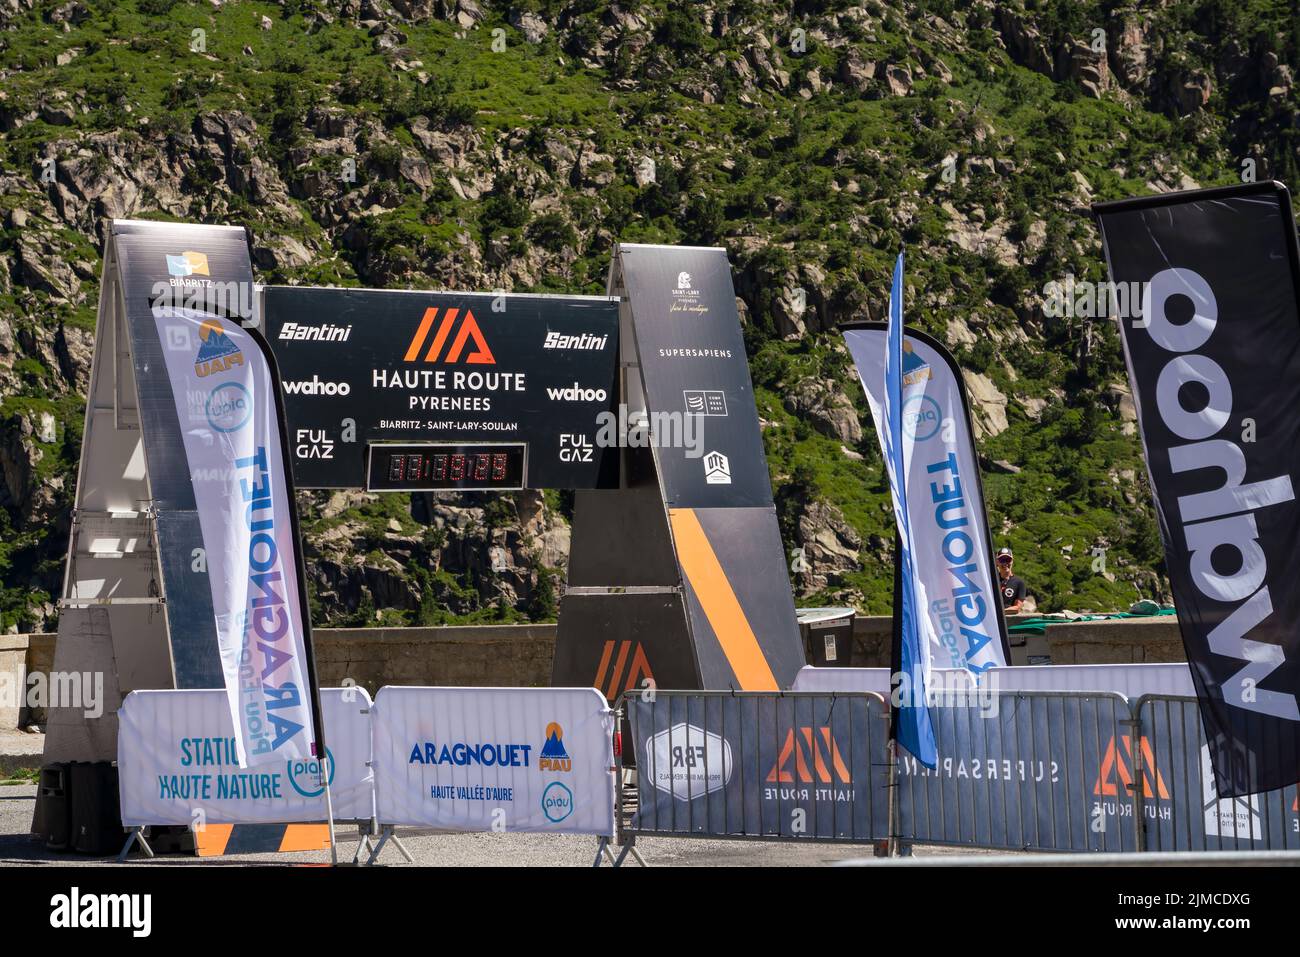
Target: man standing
point(1013, 587)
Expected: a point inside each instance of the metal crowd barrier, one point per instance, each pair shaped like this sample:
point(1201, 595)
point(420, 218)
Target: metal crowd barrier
point(1025, 771)
point(1031, 774)
point(1178, 802)
point(800, 766)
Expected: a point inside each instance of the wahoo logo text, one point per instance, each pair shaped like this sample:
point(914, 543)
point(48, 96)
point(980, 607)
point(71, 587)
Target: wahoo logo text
point(317, 386)
point(1223, 517)
point(576, 393)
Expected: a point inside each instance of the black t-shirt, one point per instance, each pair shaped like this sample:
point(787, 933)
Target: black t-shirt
point(1013, 590)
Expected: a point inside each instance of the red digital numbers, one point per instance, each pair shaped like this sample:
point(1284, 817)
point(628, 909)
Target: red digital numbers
point(464, 467)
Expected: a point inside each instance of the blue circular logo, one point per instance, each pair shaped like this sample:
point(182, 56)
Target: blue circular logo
point(557, 802)
point(304, 775)
point(229, 407)
point(922, 417)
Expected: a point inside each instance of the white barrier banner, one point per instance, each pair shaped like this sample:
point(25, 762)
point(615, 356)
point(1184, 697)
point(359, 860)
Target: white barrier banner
point(176, 758)
point(493, 759)
point(1130, 680)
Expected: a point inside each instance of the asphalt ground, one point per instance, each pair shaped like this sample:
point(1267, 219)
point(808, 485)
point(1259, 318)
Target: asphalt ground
point(19, 848)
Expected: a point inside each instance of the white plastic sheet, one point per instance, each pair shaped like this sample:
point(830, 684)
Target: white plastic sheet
point(483, 759)
point(177, 764)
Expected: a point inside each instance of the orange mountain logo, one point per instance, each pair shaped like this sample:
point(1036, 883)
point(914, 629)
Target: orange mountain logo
point(812, 749)
point(554, 757)
point(217, 352)
point(1120, 761)
point(469, 330)
point(614, 668)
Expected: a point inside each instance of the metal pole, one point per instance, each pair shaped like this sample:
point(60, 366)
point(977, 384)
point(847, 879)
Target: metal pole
point(325, 776)
point(896, 667)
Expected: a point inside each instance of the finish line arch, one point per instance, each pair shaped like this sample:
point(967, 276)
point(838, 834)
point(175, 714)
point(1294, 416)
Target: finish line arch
point(677, 573)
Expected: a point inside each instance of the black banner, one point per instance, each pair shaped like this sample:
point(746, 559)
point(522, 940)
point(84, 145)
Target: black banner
point(363, 367)
point(1213, 352)
point(692, 355)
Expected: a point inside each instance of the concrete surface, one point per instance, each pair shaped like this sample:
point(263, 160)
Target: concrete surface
point(19, 750)
point(18, 848)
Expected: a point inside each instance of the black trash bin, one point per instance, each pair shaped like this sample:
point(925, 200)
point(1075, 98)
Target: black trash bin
point(96, 815)
point(827, 636)
point(56, 823)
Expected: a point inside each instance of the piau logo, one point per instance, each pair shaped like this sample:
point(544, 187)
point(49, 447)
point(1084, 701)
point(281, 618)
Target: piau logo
point(915, 369)
point(469, 330)
point(217, 352)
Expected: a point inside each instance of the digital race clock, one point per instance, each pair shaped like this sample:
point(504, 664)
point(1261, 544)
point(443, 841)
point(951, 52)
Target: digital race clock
point(434, 466)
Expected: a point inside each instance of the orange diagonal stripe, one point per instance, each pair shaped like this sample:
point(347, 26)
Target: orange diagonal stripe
point(618, 669)
point(604, 663)
point(716, 597)
point(211, 841)
point(305, 837)
point(413, 349)
point(441, 337)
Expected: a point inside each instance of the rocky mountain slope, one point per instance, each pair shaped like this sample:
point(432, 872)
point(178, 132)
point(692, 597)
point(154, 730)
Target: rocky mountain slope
point(463, 143)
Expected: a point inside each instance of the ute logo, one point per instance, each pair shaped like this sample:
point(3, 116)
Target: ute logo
point(804, 744)
point(482, 354)
point(636, 671)
point(553, 756)
point(188, 263)
point(717, 469)
point(1227, 817)
point(217, 353)
point(1120, 761)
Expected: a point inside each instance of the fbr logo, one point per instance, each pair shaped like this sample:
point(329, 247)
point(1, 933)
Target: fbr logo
point(1117, 760)
point(482, 354)
point(812, 749)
